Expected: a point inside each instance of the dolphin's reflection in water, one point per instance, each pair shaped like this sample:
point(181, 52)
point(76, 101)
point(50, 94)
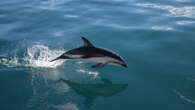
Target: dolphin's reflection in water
point(92, 91)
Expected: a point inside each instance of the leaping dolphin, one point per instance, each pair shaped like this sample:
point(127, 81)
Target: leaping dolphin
point(91, 53)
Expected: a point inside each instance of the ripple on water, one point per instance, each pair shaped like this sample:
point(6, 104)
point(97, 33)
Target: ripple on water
point(186, 92)
point(166, 28)
point(184, 22)
point(182, 0)
point(183, 97)
point(186, 11)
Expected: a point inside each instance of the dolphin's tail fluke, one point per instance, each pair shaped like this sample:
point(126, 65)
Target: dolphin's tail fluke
point(61, 57)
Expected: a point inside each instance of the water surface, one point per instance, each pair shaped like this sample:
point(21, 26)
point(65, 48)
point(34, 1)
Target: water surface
point(156, 39)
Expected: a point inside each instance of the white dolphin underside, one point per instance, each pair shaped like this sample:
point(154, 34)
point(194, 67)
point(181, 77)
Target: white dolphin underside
point(104, 60)
point(108, 60)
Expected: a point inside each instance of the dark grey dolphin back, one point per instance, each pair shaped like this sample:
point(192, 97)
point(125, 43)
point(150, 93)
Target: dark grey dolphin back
point(86, 42)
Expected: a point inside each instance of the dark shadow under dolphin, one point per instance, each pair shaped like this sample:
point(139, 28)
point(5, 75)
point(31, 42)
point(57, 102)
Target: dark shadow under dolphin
point(92, 91)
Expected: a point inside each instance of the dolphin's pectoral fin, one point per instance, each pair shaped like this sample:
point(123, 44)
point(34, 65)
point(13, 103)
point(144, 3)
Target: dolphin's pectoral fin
point(99, 65)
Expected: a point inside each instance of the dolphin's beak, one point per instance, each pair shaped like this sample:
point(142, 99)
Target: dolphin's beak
point(124, 65)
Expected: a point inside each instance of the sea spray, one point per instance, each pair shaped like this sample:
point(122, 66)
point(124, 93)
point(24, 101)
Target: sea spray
point(35, 56)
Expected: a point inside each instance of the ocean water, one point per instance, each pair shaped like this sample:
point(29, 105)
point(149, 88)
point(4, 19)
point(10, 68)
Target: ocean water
point(155, 37)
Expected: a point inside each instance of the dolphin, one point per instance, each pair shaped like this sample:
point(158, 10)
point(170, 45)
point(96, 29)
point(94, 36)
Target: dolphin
point(94, 90)
point(92, 53)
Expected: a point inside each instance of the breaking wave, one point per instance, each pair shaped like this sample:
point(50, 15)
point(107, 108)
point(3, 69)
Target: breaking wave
point(35, 56)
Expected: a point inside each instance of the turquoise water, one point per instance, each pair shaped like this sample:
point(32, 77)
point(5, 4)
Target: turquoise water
point(156, 39)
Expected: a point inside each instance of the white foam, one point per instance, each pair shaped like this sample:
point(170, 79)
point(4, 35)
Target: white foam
point(36, 56)
point(10, 62)
point(40, 56)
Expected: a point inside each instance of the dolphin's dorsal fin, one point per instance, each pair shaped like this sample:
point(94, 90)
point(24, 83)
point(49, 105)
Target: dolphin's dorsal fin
point(86, 42)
